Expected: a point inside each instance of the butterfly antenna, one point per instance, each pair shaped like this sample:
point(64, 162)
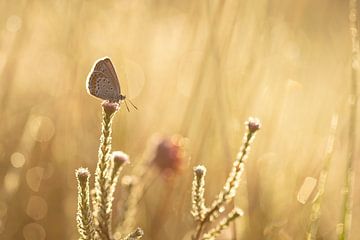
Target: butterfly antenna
point(132, 104)
point(127, 107)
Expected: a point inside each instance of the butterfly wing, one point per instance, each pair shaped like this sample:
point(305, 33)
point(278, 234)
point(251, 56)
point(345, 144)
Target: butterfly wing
point(102, 86)
point(107, 68)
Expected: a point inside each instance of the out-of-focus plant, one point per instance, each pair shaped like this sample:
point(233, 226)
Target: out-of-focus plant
point(203, 215)
point(316, 206)
point(167, 156)
point(94, 222)
point(165, 159)
point(345, 226)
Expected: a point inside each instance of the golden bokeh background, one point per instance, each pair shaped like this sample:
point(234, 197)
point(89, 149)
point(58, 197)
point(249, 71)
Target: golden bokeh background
point(193, 68)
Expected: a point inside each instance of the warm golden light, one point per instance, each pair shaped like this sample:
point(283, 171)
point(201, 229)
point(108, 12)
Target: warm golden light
point(196, 70)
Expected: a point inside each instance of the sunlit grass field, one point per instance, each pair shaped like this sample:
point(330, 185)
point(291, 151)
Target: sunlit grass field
point(196, 69)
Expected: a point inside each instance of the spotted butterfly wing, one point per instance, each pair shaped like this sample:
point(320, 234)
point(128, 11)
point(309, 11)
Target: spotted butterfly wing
point(103, 82)
point(105, 66)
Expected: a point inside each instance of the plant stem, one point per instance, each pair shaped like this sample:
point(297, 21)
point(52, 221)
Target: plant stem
point(199, 230)
point(349, 178)
point(102, 180)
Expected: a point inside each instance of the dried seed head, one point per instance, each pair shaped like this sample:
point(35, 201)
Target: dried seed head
point(200, 170)
point(110, 107)
point(253, 124)
point(82, 174)
point(120, 157)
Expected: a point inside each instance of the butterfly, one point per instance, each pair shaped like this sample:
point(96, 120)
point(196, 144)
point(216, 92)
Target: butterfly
point(102, 82)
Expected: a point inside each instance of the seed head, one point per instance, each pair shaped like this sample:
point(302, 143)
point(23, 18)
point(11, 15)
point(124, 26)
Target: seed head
point(82, 174)
point(253, 124)
point(120, 157)
point(110, 107)
point(200, 170)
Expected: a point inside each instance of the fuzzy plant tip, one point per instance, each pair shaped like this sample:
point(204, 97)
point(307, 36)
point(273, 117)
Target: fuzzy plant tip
point(253, 124)
point(110, 107)
point(120, 158)
point(200, 170)
point(82, 174)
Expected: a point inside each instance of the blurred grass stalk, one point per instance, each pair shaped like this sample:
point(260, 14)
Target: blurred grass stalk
point(345, 226)
point(316, 205)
